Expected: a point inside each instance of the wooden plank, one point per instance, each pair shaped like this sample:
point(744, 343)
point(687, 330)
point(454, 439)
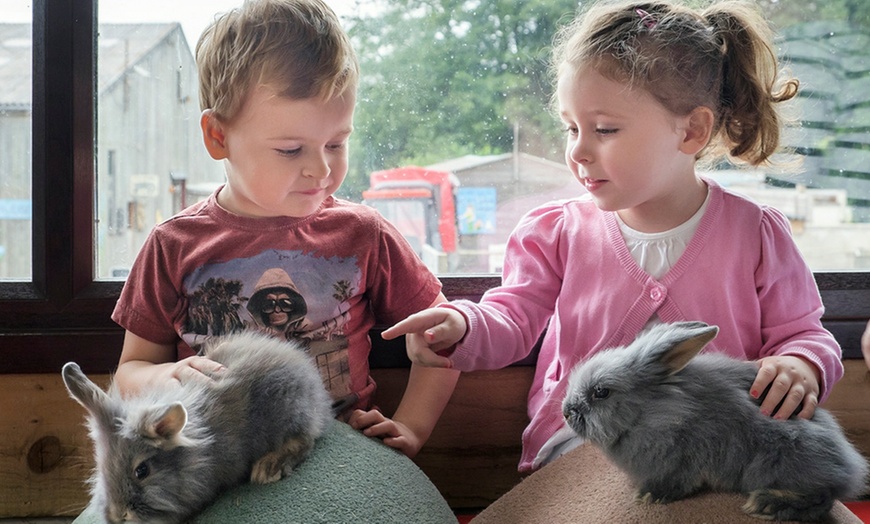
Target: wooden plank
point(850, 403)
point(45, 454)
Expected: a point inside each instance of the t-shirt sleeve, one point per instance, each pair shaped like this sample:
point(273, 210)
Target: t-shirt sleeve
point(151, 298)
point(402, 284)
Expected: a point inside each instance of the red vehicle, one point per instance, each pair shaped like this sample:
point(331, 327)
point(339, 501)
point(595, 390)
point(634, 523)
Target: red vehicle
point(420, 202)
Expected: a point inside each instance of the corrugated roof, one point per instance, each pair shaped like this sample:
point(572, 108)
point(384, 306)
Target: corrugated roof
point(121, 46)
point(466, 162)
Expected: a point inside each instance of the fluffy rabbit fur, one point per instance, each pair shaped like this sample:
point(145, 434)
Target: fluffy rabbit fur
point(167, 453)
point(678, 425)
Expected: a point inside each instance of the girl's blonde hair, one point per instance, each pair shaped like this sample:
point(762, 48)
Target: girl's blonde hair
point(721, 57)
point(297, 47)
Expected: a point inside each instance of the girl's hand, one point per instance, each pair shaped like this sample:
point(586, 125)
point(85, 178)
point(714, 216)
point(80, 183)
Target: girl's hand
point(792, 380)
point(428, 332)
point(394, 434)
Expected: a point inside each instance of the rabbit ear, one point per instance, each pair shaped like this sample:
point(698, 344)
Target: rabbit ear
point(82, 389)
point(686, 340)
point(163, 424)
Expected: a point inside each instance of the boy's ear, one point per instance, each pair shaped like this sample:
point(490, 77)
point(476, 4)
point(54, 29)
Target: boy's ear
point(213, 134)
point(699, 128)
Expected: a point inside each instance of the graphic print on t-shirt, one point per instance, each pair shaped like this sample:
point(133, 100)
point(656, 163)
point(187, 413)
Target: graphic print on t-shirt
point(288, 294)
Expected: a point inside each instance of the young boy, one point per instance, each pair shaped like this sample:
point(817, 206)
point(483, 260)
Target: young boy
point(272, 249)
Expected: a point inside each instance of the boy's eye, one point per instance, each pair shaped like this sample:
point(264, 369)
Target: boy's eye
point(289, 152)
point(606, 130)
point(571, 130)
point(336, 147)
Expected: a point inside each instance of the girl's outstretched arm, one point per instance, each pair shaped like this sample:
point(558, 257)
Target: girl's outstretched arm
point(428, 333)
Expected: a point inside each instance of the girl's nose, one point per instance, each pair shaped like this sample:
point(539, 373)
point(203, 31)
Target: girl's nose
point(577, 151)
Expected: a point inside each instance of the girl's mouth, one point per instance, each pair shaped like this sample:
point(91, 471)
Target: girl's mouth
point(592, 184)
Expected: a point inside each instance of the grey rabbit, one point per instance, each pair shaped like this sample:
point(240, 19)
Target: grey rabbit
point(165, 454)
point(678, 424)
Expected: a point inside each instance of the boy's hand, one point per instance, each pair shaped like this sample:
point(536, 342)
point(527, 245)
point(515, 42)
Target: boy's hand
point(428, 332)
point(394, 434)
point(194, 368)
point(792, 380)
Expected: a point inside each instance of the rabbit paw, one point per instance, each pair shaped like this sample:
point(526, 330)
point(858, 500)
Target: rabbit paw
point(275, 465)
point(775, 504)
point(647, 497)
point(270, 468)
point(664, 491)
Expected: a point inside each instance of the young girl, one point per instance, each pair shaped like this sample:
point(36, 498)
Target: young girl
point(645, 90)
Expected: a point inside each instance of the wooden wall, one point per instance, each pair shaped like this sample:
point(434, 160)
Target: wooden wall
point(45, 454)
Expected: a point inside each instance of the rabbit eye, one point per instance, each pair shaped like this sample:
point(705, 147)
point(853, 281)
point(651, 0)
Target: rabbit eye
point(599, 392)
point(141, 471)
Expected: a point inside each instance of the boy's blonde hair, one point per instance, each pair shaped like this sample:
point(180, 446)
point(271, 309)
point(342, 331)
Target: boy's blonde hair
point(720, 57)
point(297, 47)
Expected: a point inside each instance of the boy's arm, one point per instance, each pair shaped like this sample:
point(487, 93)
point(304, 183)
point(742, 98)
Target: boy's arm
point(144, 362)
point(426, 395)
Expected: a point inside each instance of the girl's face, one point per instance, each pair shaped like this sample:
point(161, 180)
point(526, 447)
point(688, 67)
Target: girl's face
point(627, 151)
point(283, 156)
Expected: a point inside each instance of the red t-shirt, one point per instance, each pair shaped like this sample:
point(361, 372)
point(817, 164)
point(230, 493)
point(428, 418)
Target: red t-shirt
point(324, 280)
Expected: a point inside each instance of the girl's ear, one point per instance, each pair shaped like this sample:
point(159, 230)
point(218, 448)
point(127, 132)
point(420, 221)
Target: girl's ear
point(213, 135)
point(699, 128)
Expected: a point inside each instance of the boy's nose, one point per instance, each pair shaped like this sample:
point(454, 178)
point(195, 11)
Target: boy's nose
point(317, 168)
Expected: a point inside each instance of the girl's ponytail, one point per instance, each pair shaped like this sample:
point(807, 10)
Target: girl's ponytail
point(749, 116)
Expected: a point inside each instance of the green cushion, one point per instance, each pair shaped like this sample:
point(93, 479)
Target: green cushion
point(348, 478)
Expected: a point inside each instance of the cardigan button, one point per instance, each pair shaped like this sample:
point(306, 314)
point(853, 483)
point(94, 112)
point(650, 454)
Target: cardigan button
point(656, 294)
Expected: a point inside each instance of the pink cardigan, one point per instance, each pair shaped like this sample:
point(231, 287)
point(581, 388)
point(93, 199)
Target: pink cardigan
point(568, 267)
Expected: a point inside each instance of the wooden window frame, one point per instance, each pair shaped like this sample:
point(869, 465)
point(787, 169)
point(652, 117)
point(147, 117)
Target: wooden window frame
point(63, 313)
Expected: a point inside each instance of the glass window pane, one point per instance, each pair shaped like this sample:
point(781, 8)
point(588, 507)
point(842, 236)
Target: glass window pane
point(16, 52)
point(150, 158)
point(461, 88)
point(826, 196)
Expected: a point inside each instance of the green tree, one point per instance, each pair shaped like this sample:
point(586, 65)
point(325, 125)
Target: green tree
point(453, 77)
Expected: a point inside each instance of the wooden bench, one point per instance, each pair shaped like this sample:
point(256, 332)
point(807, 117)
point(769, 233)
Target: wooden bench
point(473, 453)
point(45, 453)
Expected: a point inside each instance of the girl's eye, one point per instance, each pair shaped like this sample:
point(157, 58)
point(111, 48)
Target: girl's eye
point(606, 130)
point(336, 147)
point(289, 152)
point(571, 130)
point(599, 392)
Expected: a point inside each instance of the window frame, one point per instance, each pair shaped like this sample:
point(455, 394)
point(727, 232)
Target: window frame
point(63, 313)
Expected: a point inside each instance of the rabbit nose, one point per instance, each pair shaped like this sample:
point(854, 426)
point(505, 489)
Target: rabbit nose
point(572, 412)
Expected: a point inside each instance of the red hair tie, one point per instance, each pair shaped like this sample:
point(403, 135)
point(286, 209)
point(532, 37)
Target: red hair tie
point(646, 18)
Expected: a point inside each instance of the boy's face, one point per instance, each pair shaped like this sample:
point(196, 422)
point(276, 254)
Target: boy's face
point(283, 157)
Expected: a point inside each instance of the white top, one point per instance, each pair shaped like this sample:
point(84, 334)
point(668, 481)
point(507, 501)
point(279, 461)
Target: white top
point(656, 253)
